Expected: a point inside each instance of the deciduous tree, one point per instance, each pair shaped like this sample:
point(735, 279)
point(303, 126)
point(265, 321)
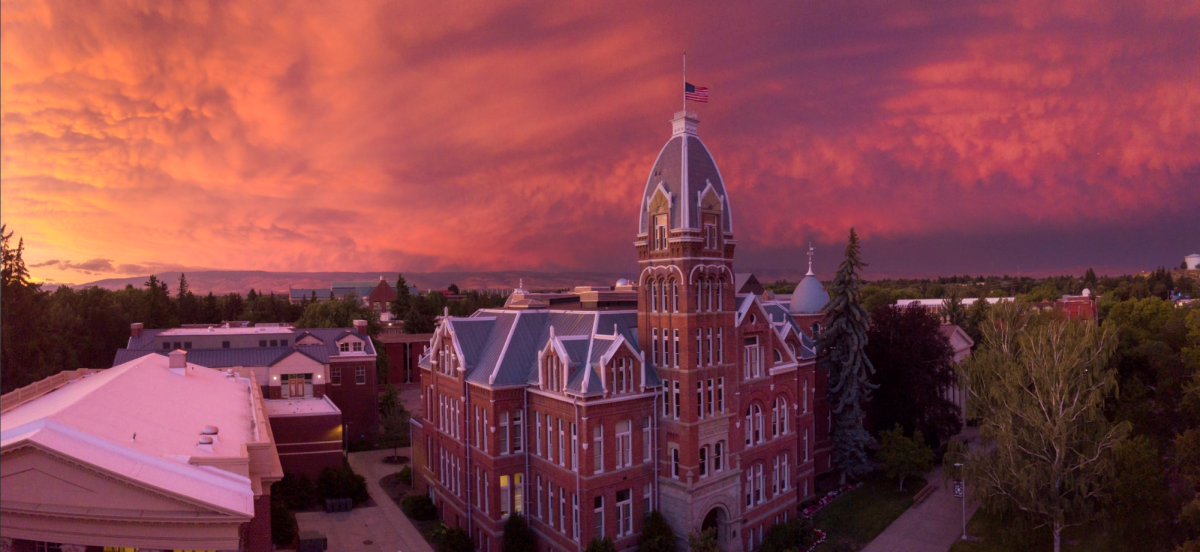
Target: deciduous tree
point(903, 456)
point(1039, 384)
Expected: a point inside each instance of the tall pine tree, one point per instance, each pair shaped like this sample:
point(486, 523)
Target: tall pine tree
point(840, 351)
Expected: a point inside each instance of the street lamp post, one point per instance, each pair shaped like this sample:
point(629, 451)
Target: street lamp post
point(962, 492)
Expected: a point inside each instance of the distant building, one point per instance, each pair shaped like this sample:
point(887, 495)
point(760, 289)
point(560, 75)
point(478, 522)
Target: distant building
point(319, 384)
point(153, 453)
point(1192, 261)
point(961, 344)
point(376, 295)
point(404, 351)
point(1074, 307)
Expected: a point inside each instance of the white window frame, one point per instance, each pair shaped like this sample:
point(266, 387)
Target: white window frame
point(624, 431)
point(502, 433)
point(598, 448)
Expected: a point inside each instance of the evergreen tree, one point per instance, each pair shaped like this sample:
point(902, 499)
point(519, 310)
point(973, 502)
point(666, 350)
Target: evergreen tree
point(403, 299)
point(953, 311)
point(977, 315)
point(841, 353)
point(518, 535)
point(657, 535)
point(1089, 279)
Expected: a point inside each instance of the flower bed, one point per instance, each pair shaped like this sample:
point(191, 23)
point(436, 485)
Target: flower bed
point(825, 500)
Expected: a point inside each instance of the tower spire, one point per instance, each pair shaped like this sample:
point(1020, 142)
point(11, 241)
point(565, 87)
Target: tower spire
point(810, 254)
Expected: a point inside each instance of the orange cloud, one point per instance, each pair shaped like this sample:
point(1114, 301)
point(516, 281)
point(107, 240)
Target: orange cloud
point(409, 136)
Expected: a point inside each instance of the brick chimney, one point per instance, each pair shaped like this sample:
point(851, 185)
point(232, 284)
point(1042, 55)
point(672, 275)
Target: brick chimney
point(360, 326)
point(178, 358)
point(135, 329)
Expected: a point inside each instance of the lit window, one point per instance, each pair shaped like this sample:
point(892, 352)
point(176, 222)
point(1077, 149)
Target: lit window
point(505, 496)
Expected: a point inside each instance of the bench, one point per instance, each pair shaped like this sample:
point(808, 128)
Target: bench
point(339, 504)
point(924, 493)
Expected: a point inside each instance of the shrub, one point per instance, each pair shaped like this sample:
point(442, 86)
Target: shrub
point(796, 533)
point(419, 508)
point(601, 545)
point(342, 482)
point(455, 540)
point(657, 535)
point(405, 475)
point(296, 492)
point(283, 523)
point(518, 535)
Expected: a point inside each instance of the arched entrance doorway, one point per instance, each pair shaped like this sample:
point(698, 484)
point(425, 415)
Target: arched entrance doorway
point(714, 520)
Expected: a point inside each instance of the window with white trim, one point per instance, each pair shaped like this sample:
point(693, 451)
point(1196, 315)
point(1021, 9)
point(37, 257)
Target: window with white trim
point(537, 419)
point(721, 395)
point(598, 522)
point(718, 459)
point(624, 512)
point(653, 295)
point(676, 398)
point(704, 461)
point(538, 499)
point(674, 295)
point(647, 493)
point(518, 431)
point(654, 346)
point(562, 444)
point(709, 353)
point(675, 462)
point(505, 497)
point(562, 510)
point(699, 347)
point(502, 433)
point(699, 399)
point(708, 396)
point(360, 375)
point(624, 444)
point(598, 449)
point(675, 348)
point(646, 446)
point(720, 345)
point(751, 359)
point(666, 398)
point(785, 477)
point(519, 496)
point(575, 517)
point(335, 375)
point(574, 452)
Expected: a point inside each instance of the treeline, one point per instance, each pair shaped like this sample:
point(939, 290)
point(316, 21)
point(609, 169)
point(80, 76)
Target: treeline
point(1161, 283)
point(45, 332)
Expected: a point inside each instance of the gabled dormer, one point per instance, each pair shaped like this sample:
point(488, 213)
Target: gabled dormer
point(351, 344)
point(306, 338)
point(622, 369)
point(554, 364)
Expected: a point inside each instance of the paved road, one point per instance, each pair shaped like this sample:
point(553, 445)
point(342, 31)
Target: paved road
point(384, 525)
point(932, 525)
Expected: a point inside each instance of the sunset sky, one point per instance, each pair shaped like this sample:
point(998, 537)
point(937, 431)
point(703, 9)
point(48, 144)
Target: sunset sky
point(956, 137)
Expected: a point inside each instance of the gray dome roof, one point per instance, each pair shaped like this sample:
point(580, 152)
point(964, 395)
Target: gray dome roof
point(684, 170)
point(810, 296)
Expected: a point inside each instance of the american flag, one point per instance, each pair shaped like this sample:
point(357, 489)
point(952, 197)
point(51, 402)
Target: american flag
point(695, 93)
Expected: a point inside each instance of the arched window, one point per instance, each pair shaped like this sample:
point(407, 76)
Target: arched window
point(708, 295)
point(718, 460)
point(778, 356)
point(704, 461)
point(775, 419)
point(781, 408)
point(758, 423)
point(816, 329)
point(653, 293)
point(785, 474)
point(674, 295)
point(720, 294)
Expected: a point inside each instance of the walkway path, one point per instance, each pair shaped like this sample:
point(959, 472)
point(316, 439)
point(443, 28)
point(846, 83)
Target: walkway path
point(388, 529)
point(934, 524)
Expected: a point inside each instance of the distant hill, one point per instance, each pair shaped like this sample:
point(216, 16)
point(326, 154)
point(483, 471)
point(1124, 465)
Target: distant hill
point(242, 281)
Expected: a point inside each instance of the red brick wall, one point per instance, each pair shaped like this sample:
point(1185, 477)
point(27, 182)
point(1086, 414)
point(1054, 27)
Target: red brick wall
point(258, 530)
point(396, 353)
point(308, 444)
point(358, 403)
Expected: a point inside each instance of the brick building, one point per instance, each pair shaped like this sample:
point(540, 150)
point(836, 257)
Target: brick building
point(156, 453)
point(404, 351)
point(585, 414)
point(319, 384)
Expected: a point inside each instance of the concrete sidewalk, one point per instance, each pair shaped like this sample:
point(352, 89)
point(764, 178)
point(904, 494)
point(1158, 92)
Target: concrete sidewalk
point(370, 464)
point(934, 524)
point(384, 526)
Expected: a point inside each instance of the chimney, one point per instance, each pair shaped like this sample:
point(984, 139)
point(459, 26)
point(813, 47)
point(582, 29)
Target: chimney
point(135, 329)
point(360, 326)
point(178, 359)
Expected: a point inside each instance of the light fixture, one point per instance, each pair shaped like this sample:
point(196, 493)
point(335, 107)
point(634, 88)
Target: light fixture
point(274, 377)
point(318, 376)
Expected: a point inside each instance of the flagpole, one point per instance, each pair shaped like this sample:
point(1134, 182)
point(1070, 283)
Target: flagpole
point(685, 83)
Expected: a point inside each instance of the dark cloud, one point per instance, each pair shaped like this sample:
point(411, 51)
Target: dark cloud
point(278, 136)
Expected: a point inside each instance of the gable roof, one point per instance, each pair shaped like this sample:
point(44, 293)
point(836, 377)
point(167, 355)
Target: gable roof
point(253, 356)
point(140, 421)
point(500, 347)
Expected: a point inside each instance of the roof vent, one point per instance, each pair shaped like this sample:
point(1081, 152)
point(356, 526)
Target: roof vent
point(205, 444)
point(178, 359)
point(209, 430)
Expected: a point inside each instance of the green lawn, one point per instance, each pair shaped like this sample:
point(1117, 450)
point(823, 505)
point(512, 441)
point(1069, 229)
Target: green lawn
point(1087, 538)
point(856, 518)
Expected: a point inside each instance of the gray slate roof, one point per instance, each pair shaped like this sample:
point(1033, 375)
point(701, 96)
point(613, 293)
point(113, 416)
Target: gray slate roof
point(669, 171)
point(501, 347)
point(248, 356)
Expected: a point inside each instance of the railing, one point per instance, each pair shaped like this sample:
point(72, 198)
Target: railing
point(36, 389)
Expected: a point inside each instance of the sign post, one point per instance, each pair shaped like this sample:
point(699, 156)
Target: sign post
point(960, 491)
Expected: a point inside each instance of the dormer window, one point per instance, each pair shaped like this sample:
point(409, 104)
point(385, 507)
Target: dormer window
point(552, 373)
point(358, 346)
point(711, 234)
point(344, 347)
point(622, 376)
point(660, 232)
